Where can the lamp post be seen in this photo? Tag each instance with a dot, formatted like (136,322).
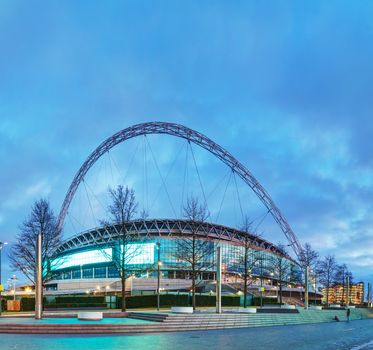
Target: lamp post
(39,279)
(158,273)
(306,288)
(12,285)
(1,286)
(218,279)
(261,283)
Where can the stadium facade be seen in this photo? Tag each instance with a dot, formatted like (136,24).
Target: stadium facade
(86,262)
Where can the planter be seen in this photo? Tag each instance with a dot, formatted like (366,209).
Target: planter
(315,307)
(182,309)
(249,310)
(90,316)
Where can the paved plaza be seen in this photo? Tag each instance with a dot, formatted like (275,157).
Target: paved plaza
(354,335)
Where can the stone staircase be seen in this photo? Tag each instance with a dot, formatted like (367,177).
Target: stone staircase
(167,322)
(148,316)
(235,320)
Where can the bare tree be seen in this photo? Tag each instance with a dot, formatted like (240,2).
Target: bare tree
(23,253)
(248,258)
(280,267)
(340,278)
(309,258)
(196,253)
(326,271)
(122,209)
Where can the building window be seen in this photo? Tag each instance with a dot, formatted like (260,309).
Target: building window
(112,272)
(100,272)
(76,274)
(88,273)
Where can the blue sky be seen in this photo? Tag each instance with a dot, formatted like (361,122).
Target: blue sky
(285,86)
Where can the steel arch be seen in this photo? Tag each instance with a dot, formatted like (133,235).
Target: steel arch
(198,139)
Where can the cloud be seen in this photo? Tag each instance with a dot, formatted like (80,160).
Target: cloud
(286,88)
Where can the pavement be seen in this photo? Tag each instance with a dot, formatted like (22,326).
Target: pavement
(354,335)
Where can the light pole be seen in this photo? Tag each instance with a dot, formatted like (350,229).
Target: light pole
(1,286)
(12,285)
(306,287)
(158,273)
(218,279)
(39,279)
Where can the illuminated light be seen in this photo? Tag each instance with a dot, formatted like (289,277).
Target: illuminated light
(82,258)
(87,291)
(28,290)
(107,287)
(160,263)
(142,253)
(98,287)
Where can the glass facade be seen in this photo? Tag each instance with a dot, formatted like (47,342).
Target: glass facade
(83,258)
(142,261)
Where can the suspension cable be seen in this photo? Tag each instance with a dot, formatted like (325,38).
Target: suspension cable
(111,168)
(222,200)
(185,179)
(199,177)
(261,221)
(238,195)
(89,202)
(167,175)
(162,179)
(219,182)
(124,176)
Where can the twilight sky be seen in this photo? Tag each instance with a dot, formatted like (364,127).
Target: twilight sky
(285,86)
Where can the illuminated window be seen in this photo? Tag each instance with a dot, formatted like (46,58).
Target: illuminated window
(82,258)
(139,253)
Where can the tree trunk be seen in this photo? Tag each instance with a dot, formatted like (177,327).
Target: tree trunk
(123,280)
(245,280)
(194,258)
(194,291)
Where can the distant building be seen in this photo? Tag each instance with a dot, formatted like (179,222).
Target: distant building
(338,294)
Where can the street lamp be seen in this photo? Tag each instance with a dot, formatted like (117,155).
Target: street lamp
(13,281)
(158,273)
(1,286)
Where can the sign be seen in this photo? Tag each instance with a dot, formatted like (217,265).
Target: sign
(262,289)
(1,288)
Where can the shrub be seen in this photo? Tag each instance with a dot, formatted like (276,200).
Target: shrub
(256,301)
(80,299)
(75,305)
(27,304)
(166,300)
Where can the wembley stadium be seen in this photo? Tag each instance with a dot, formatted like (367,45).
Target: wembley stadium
(84,263)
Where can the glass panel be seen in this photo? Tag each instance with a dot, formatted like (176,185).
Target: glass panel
(100,272)
(88,273)
(82,258)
